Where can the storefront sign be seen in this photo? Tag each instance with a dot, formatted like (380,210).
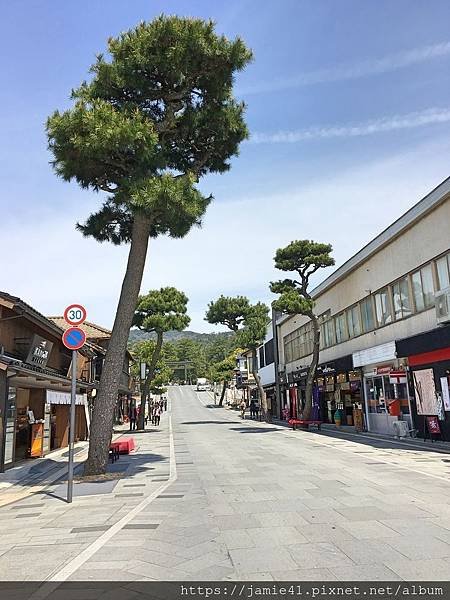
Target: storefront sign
(39,352)
(374,355)
(433,425)
(425,392)
(64,398)
(397,377)
(384,370)
(445,393)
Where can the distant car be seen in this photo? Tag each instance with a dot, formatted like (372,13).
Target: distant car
(202,384)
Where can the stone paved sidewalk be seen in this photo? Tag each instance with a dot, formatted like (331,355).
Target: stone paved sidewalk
(41,534)
(232,499)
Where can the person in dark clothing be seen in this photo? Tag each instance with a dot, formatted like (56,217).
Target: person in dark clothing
(252,409)
(133,417)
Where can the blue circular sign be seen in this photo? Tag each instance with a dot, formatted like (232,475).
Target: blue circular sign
(74,338)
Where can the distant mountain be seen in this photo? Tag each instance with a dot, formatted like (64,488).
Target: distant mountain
(172,336)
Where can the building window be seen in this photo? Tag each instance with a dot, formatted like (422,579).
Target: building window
(401,299)
(354,321)
(329,333)
(423,289)
(341,329)
(443,272)
(367,317)
(261,357)
(382,308)
(269,352)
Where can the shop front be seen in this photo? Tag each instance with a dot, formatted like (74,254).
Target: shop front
(428,356)
(337,393)
(36,419)
(387,396)
(271,399)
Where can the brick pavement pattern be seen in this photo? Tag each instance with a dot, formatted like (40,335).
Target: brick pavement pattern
(245,501)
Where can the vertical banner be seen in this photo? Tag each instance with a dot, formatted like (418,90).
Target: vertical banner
(425,392)
(445,393)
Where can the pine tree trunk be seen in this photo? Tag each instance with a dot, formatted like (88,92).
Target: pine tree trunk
(312,367)
(262,393)
(102,417)
(222,395)
(151,373)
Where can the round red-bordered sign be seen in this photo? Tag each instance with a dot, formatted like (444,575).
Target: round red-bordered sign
(74,338)
(75,314)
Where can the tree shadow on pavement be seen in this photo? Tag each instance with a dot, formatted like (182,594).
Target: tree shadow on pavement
(209,422)
(125,467)
(255,429)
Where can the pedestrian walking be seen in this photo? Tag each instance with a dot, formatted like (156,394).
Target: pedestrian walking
(132,416)
(243,406)
(165,403)
(157,415)
(256,409)
(252,409)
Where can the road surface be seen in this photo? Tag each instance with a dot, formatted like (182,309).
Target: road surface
(209,496)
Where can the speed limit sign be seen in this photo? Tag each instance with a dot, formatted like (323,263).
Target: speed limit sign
(75,314)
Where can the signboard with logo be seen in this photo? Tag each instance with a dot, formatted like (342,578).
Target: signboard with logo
(433,426)
(374,355)
(397,377)
(39,352)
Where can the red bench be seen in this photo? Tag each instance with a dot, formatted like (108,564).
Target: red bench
(123,445)
(304,423)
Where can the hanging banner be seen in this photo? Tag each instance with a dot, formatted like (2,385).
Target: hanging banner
(64,398)
(425,392)
(445,393)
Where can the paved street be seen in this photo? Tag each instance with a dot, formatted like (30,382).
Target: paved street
(209,496)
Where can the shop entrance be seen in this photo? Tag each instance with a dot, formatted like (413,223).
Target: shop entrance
(386,401)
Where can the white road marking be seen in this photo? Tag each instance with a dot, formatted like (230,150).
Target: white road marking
(73,565)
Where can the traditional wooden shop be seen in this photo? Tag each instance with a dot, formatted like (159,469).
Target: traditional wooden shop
(34,384)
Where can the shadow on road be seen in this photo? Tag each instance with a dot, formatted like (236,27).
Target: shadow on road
(209,422)
(39,474)
(255,429)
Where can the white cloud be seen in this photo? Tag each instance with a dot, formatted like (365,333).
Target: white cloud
(429,116)
(345,72)
(51,265)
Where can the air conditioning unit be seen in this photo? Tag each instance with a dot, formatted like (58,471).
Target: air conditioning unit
(400,429)
(442,304)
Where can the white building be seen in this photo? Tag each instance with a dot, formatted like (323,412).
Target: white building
(379,327)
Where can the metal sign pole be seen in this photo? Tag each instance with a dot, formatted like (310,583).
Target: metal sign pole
(72,426)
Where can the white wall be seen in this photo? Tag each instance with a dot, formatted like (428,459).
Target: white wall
(419,244)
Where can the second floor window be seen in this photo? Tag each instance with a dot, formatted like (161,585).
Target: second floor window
(367,316)
(329,333)
(423,289)
(341,328)
(383,308)
(443,272)
(401,299)
(354,321)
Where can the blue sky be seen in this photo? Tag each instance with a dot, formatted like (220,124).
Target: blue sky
(348,106)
